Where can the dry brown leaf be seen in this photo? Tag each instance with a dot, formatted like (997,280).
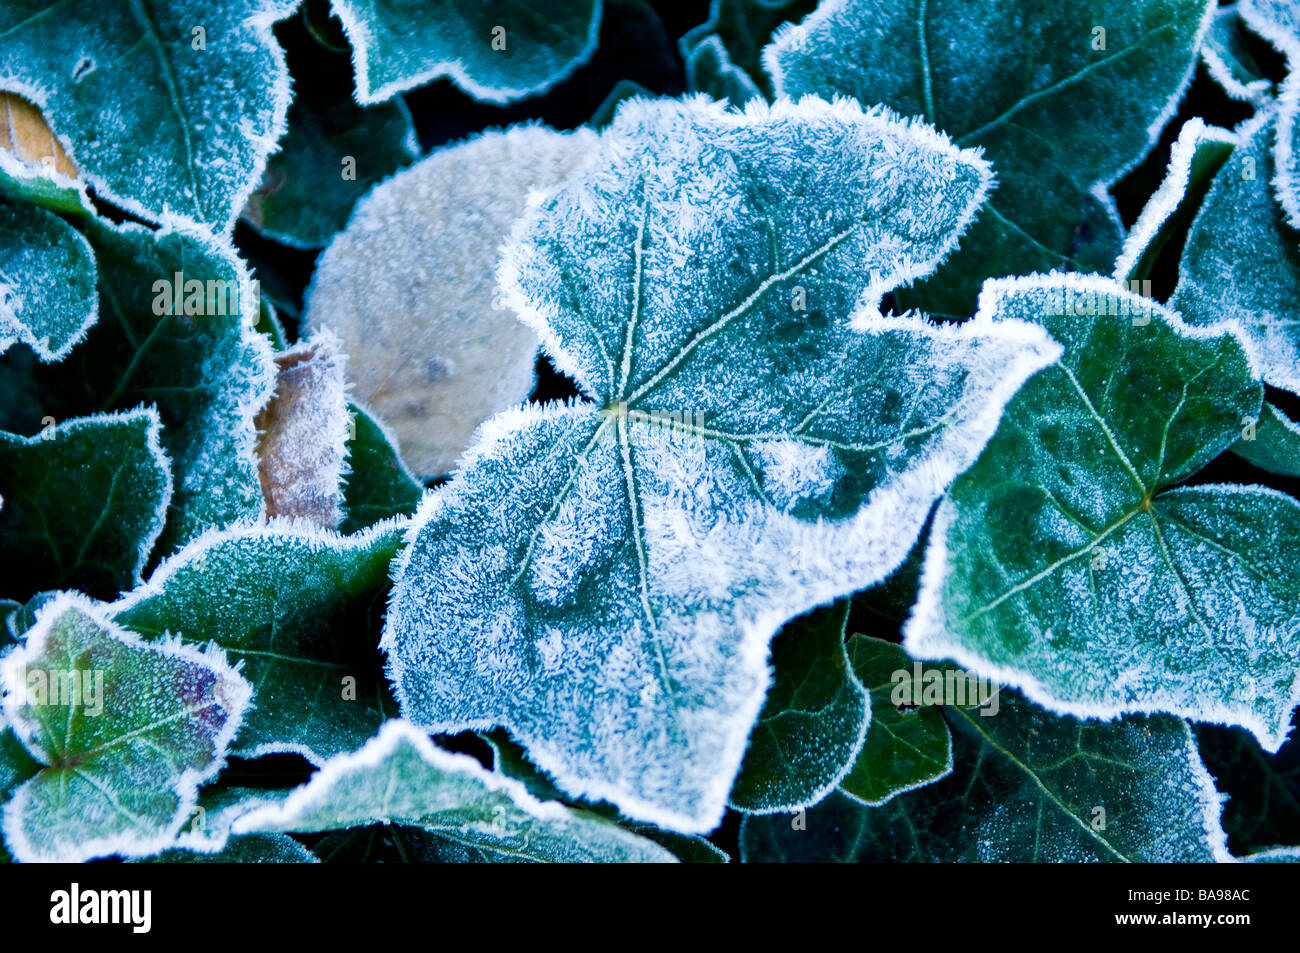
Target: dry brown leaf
(302,434)
(24,132)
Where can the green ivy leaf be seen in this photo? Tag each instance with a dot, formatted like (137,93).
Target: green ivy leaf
(178,312)
(42,185)
(333,153)
(1273,445)
(495,52)
(125,732)
(603,579)
(814,720)
(1025,787)
(290,602)
(47,283)
(709,70)
(734,36)
(906,747)
(377,486)
(1195,158)
(1067,561)
(1027,81)
(400,777)
(1229,61)
(169,109)
(1241,262)
(84,503)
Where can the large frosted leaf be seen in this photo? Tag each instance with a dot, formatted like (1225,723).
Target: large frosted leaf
(125,732)
(410,289)
(495,50)
(813,723)
(400,777)
(603,579)
(84,503)
(176,330)
(1273,444)
(1068,563)
(47,282)
(293,604)
(169,109)
(906,747)
(1025,80)
(1025,787)
(1241,262)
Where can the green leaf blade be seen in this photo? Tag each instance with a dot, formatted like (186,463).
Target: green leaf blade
(125,732)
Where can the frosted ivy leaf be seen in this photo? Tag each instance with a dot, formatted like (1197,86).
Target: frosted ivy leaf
(1272,444)
(1262,790)
(125,732)
(410,289)
(908,744)
(1195,158)
(47,282)
(1069,563)
(603,578)
(378,485)
(400,777)
(735,34)
(1229,61)
(333,153)
(1030,81)
(84,503)
(1025,787)
(178,311)
(293,604)
(494,50)
(169,111)
(1241,262)
(302,434)
(813,723)
(709,70)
